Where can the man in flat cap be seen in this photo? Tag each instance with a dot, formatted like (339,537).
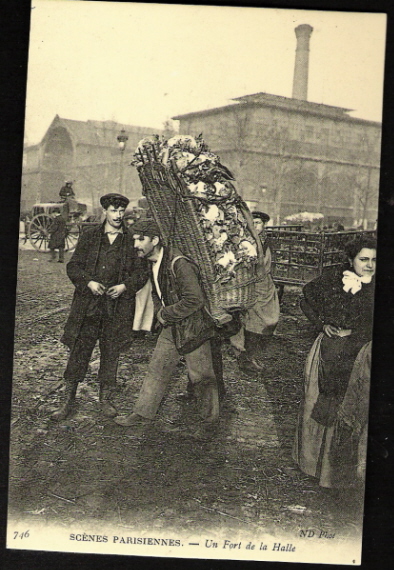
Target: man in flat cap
(261,319)
(186,330)
(106,274)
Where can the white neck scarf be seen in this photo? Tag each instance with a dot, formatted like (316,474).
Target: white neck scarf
(353,282)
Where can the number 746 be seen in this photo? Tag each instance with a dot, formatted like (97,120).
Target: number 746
(18,534)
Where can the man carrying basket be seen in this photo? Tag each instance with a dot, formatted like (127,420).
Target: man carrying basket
(187,330)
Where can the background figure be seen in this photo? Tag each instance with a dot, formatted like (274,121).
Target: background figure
(67,191)
(57,240)
(26,227)
(260,321)
(340,304)
(106,274)
(129,218)
(70,204)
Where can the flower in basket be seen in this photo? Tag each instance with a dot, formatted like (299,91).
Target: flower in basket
(217,230)
(202,190)
(149,148)
(224,189)
(218,242)
(214,172)
(235,232)
(181,159)
(147,142)
(183,142)
(208,158)
(197,169)
(231,213)
(225,265)
(212,213)
(247,251)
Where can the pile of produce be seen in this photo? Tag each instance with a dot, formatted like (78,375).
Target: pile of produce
(209,183)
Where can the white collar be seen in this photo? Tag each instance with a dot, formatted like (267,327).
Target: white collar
(155,272)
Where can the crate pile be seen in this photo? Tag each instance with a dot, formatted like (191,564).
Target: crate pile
(299,256)
(193,199)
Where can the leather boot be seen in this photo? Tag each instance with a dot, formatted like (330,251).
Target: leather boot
(53,256)
(132,419)
(107,406)
(248,360)
(249,365)
(61,255)
(187,396)
(69,397)
(208,401)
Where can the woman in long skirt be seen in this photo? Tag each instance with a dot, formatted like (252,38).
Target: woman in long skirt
(340,304)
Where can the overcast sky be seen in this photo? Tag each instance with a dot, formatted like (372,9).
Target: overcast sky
(141,64)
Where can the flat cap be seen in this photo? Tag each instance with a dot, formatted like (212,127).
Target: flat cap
(261,215)
(129,214)
(114,199)
(146,228)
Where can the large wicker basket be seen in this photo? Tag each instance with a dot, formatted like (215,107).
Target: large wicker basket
(174,209)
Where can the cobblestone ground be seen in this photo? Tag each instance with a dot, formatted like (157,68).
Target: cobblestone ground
(88,468)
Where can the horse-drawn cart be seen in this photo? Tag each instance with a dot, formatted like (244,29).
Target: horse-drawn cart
(43,214)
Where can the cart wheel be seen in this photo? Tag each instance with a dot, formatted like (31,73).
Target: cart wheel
(72,237)
(39,232)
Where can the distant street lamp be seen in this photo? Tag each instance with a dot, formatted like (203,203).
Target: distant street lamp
(122,139)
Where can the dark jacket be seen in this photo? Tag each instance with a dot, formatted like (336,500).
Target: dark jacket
(326,303)
(81,269)
(58,232)
(184,302)
(66,191)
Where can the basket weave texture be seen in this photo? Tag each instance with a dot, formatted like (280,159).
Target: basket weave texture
(174,210)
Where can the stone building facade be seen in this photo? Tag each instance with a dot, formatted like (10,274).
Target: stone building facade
(86,152)
(290,155)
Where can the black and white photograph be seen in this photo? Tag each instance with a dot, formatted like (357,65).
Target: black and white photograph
(196,281)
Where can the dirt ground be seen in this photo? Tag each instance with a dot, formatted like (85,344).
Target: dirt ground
(87,467)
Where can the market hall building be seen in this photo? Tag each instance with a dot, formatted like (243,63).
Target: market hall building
(87,153)
(290,155)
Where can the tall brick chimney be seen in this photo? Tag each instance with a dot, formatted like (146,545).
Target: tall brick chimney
(300,80)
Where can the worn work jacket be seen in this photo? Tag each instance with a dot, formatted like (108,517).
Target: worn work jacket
(184,301)
(58,232)
(82,268)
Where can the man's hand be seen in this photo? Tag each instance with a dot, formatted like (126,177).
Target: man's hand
(160,319)
(116,291)
(330,330)
(96,288)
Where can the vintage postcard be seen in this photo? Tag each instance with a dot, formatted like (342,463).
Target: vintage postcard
(197,255)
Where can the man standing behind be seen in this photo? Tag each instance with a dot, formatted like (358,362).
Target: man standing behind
(107,274)
(260,321)
(187,329)
(57,237)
